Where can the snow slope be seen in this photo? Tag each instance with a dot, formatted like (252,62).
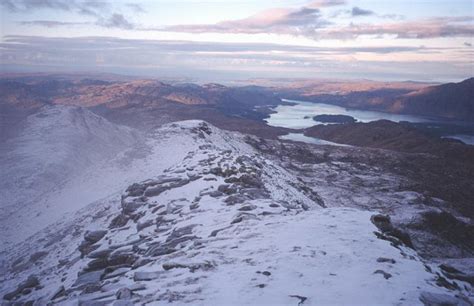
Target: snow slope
(65,158)
(221,226)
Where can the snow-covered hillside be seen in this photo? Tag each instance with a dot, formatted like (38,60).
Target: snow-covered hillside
(65,158)
(206,219)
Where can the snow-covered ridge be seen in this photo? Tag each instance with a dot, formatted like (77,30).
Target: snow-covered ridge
(221,225)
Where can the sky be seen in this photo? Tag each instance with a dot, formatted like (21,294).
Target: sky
(420,40)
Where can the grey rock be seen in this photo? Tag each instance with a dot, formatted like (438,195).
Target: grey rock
(235,199)
(122,259)
(86,247)
(61,291)
(383,223)
(123,294)
(91,288)
(439,299)
(155,190)
(94,236)
(31,282)
(227,189)
(248,207)
(147,276)
(97,264)
(88,278)
(136,190)
(37,256)
(385,274)
(389,260)
(129,207)
(216,231)
(100,253)
(141,262)
(301,299)
(207,265)
(117,272)
(145,224)
(119,221)
(179,232)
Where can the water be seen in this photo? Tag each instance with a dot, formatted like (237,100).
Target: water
(303,138)
(467,139)
(293,116)
(300,116)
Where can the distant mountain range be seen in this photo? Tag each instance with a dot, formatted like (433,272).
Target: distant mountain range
(451,101)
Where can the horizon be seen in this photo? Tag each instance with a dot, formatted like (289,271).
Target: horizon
(422,41)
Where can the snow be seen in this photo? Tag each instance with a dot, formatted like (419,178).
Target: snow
(275,247)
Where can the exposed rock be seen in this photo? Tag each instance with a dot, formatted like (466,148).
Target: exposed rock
(384,224)
(88,278)
(216,231)
(129,207)
(438,299)
(136,190)
(248,207)
(91,288)
(299,297)
(383,259)
(143,225)
(86,247)
(119,221)
(94,236)
(141,262)
(235,199)
(443,282)
(100,253)
(155,190)
(31,282)
(122,260)
(179,232)
(37,256)
(61,291)
(385,274)
(123,294)
(147,276)
(227,189)
(243,216)
(97,264)
(207,265)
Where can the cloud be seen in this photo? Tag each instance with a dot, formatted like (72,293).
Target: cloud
(308,21)
(51,23)
(116,21)
(282,21)
(357,11)
(419,29)
(101,9)
(325,3)
(137,8)
(83,7)
(211,60)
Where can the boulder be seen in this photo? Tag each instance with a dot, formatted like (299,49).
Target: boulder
(94,236)
(119,221)
(23,288)
(124,294)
